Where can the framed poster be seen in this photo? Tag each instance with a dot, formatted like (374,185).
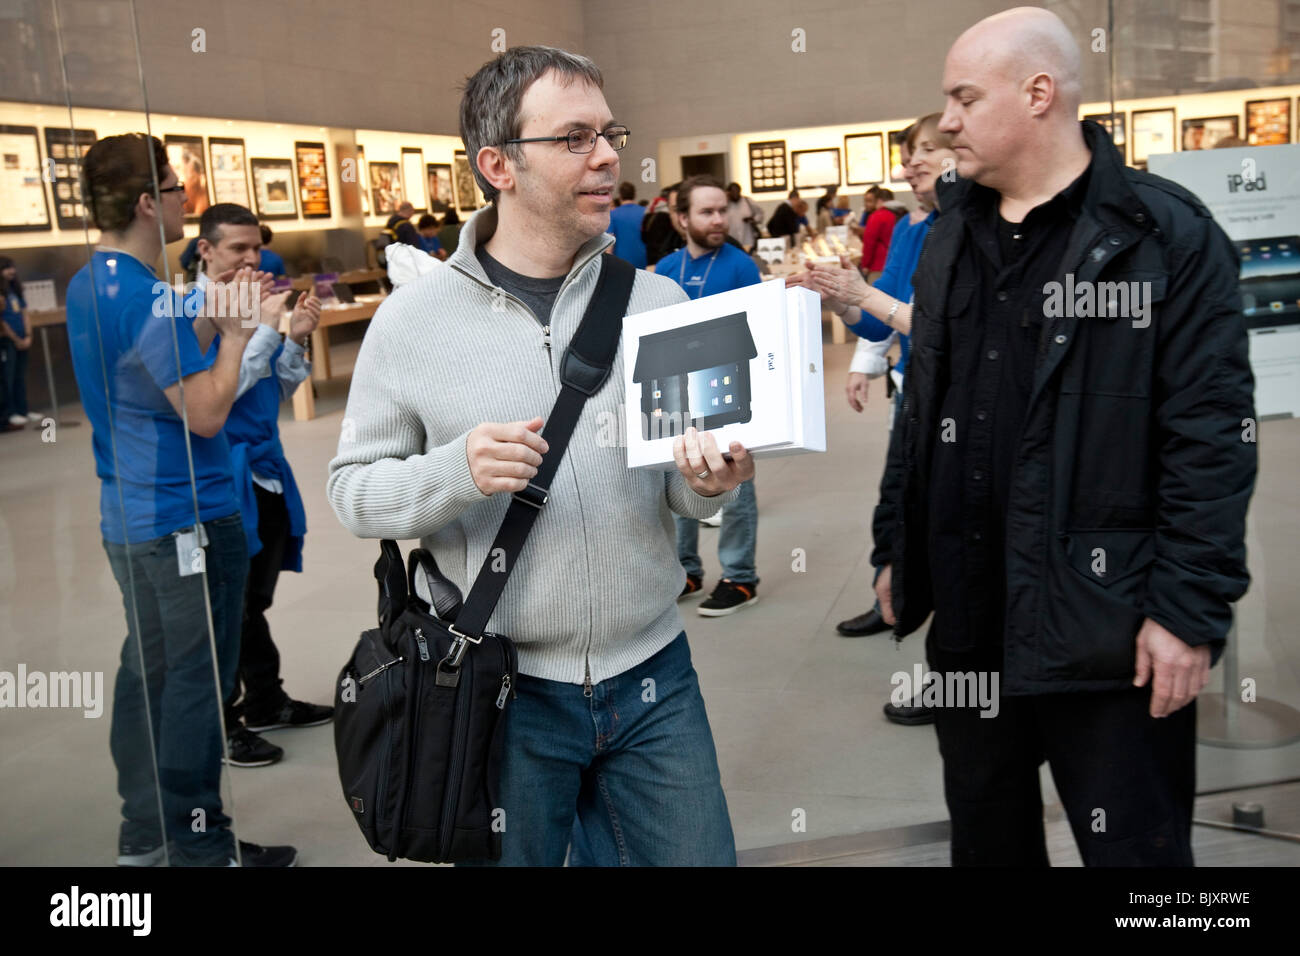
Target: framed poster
(386,187)
(815,167)
(363,180)
(467,191)
(439,187)
(229,170)
(1153,132)
(1117,129)
(413,180)
(767,172)
(273,188)
(896,139)
(864,159)
(1268,122)
(185,156)
(23,205)
(313,180)
(66,147)
(1205,133)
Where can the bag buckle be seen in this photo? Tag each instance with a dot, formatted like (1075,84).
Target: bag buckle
(448,667)
(534,495)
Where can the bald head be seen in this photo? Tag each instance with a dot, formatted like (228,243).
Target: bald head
(1017,44)
(1013,87)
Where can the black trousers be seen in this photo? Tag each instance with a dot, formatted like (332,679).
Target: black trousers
(259,660)
(1127,780)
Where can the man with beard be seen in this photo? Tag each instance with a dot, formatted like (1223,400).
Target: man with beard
(709,264)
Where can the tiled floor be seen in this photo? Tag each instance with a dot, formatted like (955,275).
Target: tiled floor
(795,708)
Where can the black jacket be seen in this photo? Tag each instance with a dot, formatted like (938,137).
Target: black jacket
(1136,441)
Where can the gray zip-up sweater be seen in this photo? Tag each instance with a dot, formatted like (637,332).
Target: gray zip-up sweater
(595,589)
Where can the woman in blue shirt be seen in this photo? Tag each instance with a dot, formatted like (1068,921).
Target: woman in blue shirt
(15,341)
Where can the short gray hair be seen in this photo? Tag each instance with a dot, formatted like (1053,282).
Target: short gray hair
(489,107)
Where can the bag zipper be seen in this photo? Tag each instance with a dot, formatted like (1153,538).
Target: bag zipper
(451,787)
(413,749)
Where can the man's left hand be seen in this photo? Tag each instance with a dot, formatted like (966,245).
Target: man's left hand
(1177,671)
(305,318)
(703,466)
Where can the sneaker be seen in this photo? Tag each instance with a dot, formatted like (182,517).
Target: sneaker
(19,420)
(131,854)
(728,598)
(245,749)
(250,854)
(714,520)
(33,417)
(294,713)
(694,585)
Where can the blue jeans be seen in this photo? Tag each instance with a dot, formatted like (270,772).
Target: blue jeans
(166,731)
(737,539)
(14,377)
(627,777)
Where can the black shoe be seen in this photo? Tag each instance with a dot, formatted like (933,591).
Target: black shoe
(250,854)
(694,585)
(728,598)
(863,625)
(140,854)
(909,714)
(245,749)
(294,713)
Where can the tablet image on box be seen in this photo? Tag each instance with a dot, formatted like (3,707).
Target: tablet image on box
(696,375)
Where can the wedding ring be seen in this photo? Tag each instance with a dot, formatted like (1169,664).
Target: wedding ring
(703,474)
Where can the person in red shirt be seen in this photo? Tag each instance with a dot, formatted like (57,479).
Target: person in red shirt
(877,232)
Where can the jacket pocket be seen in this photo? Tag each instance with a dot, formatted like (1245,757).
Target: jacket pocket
(1107,556)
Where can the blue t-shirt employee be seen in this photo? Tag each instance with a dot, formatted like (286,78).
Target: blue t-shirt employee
(705,266)
(172,530)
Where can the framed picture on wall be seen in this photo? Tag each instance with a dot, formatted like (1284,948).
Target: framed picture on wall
(185,156)
(467,191)
(767,170)
(66,147)
(815,167)
(313,180)
(385,188)
(1117,126)
(1205,133)
(413,178)
(23,205)
(864,159)
(1153,132)
(896,139)
(1268,122)
(273,188)
(439,186)
(228,170)
(363,180)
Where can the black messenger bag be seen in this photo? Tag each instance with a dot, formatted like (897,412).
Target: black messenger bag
(420,707)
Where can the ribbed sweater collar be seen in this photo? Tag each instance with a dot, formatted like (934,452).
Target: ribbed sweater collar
(479,228)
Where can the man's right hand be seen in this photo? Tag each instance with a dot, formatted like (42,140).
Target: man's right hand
(855,389)
(237,325)
(505,457)
(884,595)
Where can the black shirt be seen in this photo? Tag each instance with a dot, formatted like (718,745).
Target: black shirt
(538,294)
(403,231)
(995,326)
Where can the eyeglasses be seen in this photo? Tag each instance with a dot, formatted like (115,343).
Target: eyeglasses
(178,188)
(581,140)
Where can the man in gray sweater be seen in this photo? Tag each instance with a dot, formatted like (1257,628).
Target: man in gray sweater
(608,751)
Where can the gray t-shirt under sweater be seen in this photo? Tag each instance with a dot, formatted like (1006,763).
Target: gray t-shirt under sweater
(538,294)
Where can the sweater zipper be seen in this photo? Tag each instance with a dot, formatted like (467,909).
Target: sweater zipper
(586,679)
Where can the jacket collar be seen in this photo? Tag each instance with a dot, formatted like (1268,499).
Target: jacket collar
(1109,198)
(479,228)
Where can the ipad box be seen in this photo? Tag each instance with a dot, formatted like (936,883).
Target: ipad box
(744,365)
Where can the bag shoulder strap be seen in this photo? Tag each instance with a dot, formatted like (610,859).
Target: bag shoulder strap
(583,371)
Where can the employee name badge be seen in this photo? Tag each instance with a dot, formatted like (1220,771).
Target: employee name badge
(190,557)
